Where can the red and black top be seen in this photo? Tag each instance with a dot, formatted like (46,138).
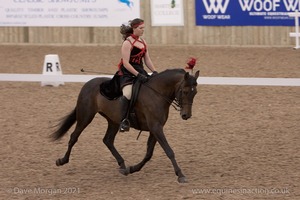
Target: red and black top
(137,54)
(136,60)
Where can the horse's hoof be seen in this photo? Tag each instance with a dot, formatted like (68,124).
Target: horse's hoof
(182,180)
(59,162)
(125,171)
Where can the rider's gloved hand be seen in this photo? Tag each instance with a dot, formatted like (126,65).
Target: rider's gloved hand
(142,78)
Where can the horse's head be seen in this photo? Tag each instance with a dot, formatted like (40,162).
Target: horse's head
(186,93)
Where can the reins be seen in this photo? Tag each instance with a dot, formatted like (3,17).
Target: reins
(176,104)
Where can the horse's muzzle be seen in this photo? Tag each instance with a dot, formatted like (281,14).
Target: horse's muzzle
(185,116)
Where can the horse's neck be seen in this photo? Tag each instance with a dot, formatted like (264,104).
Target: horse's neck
(167,85)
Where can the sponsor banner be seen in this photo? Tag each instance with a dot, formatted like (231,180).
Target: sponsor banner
(245,12)
(75,13)
(167,13)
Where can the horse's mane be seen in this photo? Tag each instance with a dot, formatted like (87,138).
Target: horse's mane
(179,70)
(168,71)
(176,72)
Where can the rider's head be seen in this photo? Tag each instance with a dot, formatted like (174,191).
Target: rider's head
(135,26)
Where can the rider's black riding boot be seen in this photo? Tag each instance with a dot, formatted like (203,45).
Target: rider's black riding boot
(125,124)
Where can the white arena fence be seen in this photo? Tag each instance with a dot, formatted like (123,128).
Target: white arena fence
(296,34)
(201,80)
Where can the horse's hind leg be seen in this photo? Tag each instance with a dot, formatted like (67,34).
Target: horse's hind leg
(150,148)
(109,139)
(83,120)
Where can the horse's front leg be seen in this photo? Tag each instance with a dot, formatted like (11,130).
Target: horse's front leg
(150,148)
(109,139)
(160,137)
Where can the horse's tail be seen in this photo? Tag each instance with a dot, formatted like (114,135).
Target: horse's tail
(64,125)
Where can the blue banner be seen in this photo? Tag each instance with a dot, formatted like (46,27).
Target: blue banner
(245,12)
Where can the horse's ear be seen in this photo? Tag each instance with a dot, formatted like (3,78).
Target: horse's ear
(197,74)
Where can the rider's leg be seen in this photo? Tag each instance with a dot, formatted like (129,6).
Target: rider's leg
(125,101)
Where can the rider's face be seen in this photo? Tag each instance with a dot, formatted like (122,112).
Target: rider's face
(139,31)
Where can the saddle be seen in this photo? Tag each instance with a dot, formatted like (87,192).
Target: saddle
(111,90)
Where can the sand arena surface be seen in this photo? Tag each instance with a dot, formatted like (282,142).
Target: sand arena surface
(242,142)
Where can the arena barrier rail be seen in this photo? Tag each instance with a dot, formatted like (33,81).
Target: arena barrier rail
(201,80)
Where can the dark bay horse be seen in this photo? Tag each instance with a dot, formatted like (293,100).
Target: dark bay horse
(151,108)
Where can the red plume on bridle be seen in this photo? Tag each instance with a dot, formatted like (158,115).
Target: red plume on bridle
(191,63)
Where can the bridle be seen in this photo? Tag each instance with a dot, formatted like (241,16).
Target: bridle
(178,97)
(179,94)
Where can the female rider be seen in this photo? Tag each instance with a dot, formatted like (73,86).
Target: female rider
(134,52)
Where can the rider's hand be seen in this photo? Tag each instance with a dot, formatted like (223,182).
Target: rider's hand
(142,78)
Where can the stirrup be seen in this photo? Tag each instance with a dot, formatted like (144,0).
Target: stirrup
(125,125)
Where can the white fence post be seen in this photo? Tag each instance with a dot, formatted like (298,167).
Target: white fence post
(296,34)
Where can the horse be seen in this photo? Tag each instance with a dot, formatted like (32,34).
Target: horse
(169,87)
